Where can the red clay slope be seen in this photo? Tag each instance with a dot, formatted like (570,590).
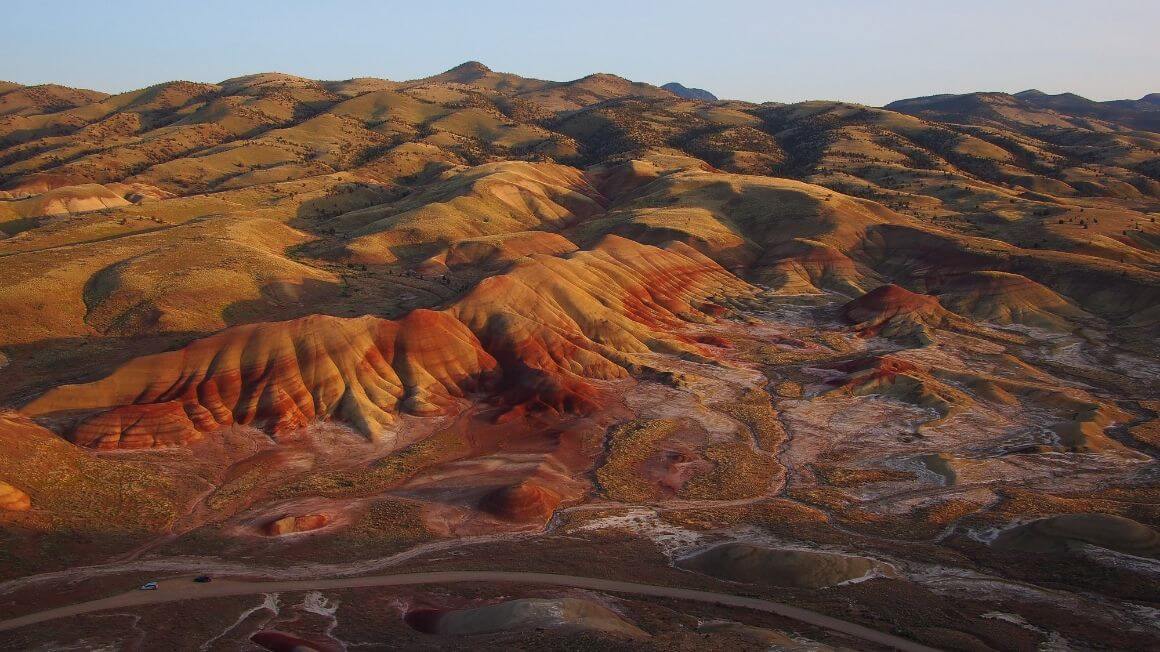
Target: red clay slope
(542,330)
(279,376)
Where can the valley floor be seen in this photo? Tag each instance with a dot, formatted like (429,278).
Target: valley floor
(882,504)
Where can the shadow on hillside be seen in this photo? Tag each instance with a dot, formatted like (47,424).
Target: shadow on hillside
(36,367)
(318,216)
(281,301)
(39,366)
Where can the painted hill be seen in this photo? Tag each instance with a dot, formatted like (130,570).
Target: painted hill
(550,323)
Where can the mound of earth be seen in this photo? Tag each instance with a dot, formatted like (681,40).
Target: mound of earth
(743,562)
(1063,533)
(807,266)
(1086,429)
(37,183)
(880,367)
(527,501)
(81,491)
(69,199)
(893,311)
(1006,298)
(294,524)
(139,192)
(569,614)
(901,379)
(221,269)
(13,499)
(758,223)
(279,376)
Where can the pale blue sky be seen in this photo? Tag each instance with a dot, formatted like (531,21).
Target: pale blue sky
(866,51)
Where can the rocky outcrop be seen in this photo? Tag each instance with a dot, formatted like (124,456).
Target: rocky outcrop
(1066,532)
(13,499)
(526,501)
(893,311)
(295,524)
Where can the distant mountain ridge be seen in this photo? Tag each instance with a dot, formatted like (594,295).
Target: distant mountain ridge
(184,137)
(1143,113)
(680,90)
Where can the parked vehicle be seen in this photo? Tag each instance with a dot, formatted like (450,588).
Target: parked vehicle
(203,579)
(149,586)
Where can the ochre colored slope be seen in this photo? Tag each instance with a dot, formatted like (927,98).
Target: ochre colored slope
(487,200)
(1006,298)
(189,277)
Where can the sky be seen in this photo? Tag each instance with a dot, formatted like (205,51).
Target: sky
(869,51)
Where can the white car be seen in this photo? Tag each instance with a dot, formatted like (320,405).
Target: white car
(149,586)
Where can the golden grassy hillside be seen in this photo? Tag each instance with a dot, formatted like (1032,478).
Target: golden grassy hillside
(364,196)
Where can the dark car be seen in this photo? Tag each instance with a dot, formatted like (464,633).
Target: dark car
(202,579)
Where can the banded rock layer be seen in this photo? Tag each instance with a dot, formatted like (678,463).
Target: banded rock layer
(278,376)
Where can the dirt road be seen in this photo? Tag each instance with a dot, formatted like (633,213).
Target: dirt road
(174,590)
